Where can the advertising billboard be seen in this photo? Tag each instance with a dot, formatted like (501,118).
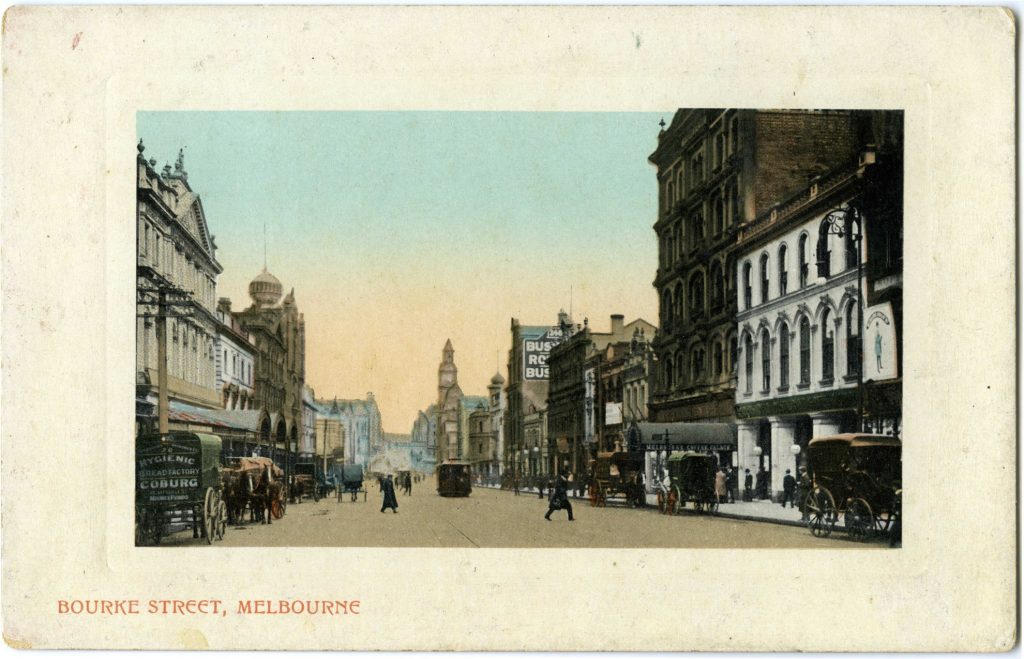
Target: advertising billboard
(537,343)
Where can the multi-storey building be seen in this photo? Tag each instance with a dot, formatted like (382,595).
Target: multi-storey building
(235,357)
(449,399)
(424,440)
(812,304)
(496,408)
(177,255)
(307,444)
(361,424)
(575,413)
(278,331)
(716,169)
(527,391)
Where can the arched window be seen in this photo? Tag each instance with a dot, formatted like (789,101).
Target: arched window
(680,369)
(748,358)
(805,351)
(783,356)
(719,217)
(697,295)
(732,354)
(666,309)
(783,275)
(764,278)
(824,253)
(803,261)
(669,373)
(827,347)
(679,304)
(717,357)
(671,245)
(746,286)
(853,342)
(717,287)
(766,361)
(697,363)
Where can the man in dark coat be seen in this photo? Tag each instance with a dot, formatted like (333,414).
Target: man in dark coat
(748,486)
(759,483)
(390,501)
(803,488)
(788,490)
(559,497)
(730,485)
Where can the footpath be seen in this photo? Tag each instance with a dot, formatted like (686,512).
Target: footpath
(754,511)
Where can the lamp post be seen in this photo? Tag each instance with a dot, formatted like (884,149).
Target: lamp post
(841,222)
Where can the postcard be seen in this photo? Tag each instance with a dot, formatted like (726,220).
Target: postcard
(425,328)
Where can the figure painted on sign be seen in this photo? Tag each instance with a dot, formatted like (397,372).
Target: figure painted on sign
(878,349)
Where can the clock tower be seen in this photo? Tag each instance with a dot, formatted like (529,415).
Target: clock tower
(449,395)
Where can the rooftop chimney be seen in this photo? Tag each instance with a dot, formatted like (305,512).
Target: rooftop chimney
(617,323)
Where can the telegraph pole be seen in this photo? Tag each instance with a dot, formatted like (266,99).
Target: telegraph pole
(161,360)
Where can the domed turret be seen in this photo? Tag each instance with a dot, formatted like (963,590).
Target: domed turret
(497,379)
(265,290)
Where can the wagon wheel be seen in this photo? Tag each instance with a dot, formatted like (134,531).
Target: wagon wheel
(222,520)
(277,508)
(859,519)
(209,514)
(821,512)
(673,501)
(662,501)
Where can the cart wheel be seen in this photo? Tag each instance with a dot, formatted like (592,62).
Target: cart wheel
(859,519)
(673,501)
(209,514)
(821,512)
(662,502)
(222,520)
(277,508)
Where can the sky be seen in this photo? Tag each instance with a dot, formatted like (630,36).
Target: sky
(401,230)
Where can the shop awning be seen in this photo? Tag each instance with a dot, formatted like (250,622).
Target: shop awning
(683,436)
(244,420)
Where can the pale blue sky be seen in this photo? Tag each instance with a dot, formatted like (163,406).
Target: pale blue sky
(421,226)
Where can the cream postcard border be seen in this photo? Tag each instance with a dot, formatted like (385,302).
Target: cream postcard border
(74,79)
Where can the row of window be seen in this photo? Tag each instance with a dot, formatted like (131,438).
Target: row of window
(182,270)
(826,352)
(691,171)
(239,367)
(679,304)
(690,233)
(687,368)
(823,262)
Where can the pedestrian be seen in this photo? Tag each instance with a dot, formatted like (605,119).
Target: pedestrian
(515,485)
(759,483)
(540,487)
(748,485)
(803,489)
(788,490)
(720,490)
(388,487)
(408,484)
(730,484)
(560,497)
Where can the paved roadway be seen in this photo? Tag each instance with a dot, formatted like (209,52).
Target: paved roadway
(496,518)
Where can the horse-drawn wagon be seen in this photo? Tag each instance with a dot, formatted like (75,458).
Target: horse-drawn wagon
(309,480)
(857,476)
(691,478)
(178,479)
(254,483)
(618,473)
(349,478)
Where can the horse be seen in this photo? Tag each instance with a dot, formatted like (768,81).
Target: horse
(266,493)
(238,487)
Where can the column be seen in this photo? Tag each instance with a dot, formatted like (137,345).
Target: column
(745,456)
(783,437)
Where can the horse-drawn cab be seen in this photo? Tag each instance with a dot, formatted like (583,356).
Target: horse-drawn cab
(617,473)
(857,476)
(178,480)
(349,478)
(692,478)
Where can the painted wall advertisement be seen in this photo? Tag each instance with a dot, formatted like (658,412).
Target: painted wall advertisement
(537,343)
(880,343)
(612,414)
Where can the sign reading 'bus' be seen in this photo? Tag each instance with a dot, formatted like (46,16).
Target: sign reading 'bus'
(537,343)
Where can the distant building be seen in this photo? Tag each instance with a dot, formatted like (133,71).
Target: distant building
(496,408)
(526,394)
(449,398)
(307,445)
(423,439)
(361,423)
(575,412)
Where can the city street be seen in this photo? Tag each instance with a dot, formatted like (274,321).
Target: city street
(496,518)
